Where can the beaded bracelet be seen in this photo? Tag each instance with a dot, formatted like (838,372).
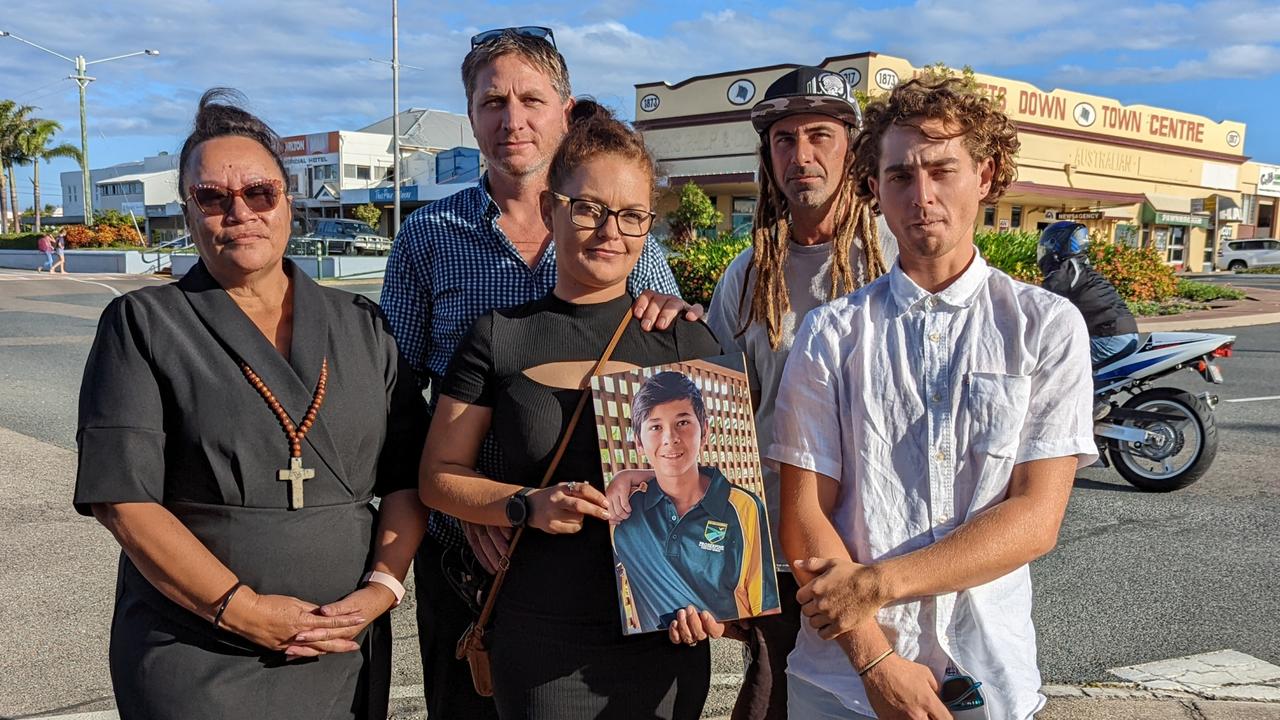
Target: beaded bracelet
(875,662)
(217,617)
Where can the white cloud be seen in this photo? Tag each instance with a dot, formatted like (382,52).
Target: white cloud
(304,65)
(1229,62)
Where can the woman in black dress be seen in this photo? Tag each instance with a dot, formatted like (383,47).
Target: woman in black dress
(234,427)
(557,646)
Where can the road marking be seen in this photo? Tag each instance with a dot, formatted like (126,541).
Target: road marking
(114,291)
(1255,399)
(45,340)
(99,715)
(1221,675)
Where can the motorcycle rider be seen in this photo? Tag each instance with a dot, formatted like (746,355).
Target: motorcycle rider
(1113,332)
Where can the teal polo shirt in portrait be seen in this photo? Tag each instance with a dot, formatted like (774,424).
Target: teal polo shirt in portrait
(717,557)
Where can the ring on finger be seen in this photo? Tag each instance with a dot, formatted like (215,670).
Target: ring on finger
(572,487)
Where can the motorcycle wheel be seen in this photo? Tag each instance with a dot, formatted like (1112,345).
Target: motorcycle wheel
(1184,451)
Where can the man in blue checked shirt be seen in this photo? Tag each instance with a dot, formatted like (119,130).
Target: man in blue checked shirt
(483,248)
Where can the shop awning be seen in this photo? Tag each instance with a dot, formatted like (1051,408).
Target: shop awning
(1126,212)
(734,166)
(1160,209)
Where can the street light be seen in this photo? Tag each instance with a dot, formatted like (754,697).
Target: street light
(83,81)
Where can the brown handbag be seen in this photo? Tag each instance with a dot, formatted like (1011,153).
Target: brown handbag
(472,645)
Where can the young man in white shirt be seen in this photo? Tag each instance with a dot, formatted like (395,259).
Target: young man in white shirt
(928,428)
(813,240)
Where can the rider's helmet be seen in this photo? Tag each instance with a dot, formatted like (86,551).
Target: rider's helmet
(1060,241)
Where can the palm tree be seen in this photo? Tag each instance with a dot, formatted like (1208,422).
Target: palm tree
(33,147)
(12,117)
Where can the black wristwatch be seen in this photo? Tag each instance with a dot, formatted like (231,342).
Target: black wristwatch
(518,507)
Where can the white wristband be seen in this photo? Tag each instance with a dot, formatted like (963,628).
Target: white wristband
(387,581)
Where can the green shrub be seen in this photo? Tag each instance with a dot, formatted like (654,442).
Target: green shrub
(1137,273)
(1268,270)
(1149,308)
(19,241)
(1013,252)
(1207,292)
(695,215)
(698,265)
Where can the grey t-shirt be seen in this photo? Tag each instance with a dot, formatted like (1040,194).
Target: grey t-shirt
(808,279)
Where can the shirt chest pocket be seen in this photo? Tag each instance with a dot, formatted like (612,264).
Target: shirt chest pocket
(997,405)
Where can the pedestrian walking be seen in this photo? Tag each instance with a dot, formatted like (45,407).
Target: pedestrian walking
(60,247)
(46,245)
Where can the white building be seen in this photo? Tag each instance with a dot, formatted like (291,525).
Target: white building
(147,189)
(328,174)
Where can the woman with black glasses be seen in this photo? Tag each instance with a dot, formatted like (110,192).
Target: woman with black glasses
(234,428)
(556,642)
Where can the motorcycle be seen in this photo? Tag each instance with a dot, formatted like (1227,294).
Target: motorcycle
(1161,438)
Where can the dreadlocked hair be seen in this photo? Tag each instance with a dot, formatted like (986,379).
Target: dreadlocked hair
(771,242)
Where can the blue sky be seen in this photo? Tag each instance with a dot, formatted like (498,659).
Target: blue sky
(305,68)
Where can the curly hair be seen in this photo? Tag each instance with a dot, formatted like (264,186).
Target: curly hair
(770,242)
(987,131)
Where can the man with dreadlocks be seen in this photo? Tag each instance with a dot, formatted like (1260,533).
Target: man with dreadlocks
(813,240)
(928,427)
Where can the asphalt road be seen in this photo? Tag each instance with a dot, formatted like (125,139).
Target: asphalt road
(1267,282)
(1136,577)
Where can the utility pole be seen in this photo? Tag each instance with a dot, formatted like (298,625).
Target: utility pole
(395,116)
(82,80)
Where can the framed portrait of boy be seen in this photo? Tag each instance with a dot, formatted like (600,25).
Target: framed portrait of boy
(682,476)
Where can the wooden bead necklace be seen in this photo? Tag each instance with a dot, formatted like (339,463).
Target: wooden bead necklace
(295,474)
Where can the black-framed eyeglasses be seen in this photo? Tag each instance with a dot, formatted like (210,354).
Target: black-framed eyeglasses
(592,215)
(530,31)
(960,692)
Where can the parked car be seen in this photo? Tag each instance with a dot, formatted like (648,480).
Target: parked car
(349,237)
(1242,254)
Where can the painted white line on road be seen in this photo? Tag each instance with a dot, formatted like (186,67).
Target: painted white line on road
(1255,399)
(114,291)
(99,715)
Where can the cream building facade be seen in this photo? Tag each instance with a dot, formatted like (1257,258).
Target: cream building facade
(1134,173)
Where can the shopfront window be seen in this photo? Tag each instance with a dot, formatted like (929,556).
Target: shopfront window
(989,216)
(744,211)
(1177,243)
(1266,218)
(1015,216)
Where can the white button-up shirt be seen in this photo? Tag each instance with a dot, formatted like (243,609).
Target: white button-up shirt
(920,405)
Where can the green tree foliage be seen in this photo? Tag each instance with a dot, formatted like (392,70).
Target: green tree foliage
(367,213)
(1138,274)
(34,147)
(698,265)
(694,213)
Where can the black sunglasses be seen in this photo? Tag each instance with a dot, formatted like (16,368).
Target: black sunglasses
(960,692)
(530,31)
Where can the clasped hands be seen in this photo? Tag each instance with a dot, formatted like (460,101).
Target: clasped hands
(841,595)
(303,629)
(839,598)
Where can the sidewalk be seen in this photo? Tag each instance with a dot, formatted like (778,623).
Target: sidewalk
(1262,307)
(1124,708)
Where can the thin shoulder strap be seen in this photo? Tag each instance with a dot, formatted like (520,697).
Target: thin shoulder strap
(505,563)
